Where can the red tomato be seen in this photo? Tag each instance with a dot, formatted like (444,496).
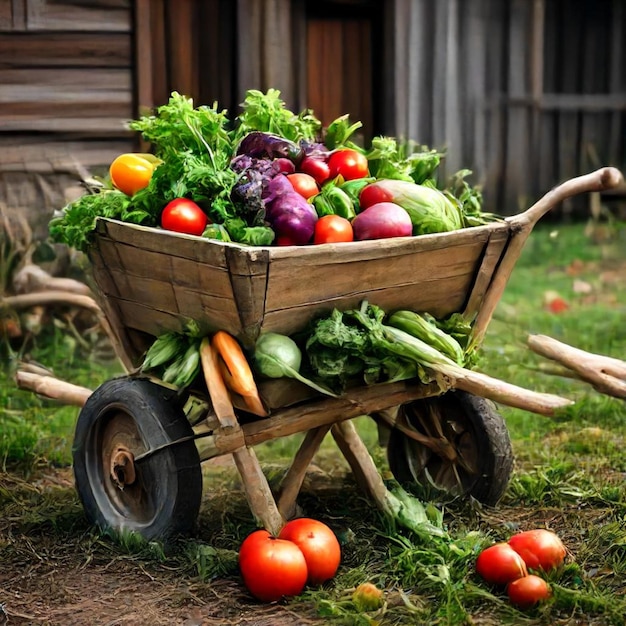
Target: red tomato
(348,163)
(541,549)
(332,229)
(271,568)
(500,564)
(527,591)
(303,184)
(283,240)
(184,216)
(316,167)
(373,194)
(131,172)
(319,545)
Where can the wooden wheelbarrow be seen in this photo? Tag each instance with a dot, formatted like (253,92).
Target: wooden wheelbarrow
(139,443)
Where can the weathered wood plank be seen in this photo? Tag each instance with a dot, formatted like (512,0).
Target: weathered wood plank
(617,130)
(518,161)
(183,52)
(161,279)
(99,126)
(24,153)
(20,84)
(143,54)
(361,277)
(96,15)
(62,49)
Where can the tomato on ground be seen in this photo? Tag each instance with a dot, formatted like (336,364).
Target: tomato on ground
(333,229)
(271,568)
(130,173)
(304,184)
(348,163)
(319,545)
(527,591)
(500,564)
(540,548)
(184,216)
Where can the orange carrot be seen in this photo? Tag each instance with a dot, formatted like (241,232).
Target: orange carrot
(236,371)
(253,402)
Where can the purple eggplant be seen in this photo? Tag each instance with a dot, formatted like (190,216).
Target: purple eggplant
(288,213)
(265,145)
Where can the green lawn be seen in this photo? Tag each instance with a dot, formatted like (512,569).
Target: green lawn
(569,472)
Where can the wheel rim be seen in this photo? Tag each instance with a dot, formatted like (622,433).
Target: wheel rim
(446,422)
(123,485)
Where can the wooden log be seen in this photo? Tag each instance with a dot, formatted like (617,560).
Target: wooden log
(52,298)
(605,374)
(25,300)
(53,388)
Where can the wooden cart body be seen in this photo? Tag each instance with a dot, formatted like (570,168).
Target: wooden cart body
(154,281)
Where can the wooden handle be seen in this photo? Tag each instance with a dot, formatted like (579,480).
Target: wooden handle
(600,180)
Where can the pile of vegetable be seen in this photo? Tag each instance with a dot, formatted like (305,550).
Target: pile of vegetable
(270,177)
(367,346)
(305,552)
(507,564)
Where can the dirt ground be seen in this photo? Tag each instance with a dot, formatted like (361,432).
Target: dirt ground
(55,572)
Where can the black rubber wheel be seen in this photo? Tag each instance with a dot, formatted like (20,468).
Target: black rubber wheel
(157,496)
(474,456)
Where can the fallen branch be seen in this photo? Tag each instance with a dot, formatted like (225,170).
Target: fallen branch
(605,374)
(26,300)
(31,278)
(52,388)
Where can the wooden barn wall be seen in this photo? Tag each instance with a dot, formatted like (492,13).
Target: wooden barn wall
(526,93)
(66,76)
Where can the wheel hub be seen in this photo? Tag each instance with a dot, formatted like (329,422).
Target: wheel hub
(122,468)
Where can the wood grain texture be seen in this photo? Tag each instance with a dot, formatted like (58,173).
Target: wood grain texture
(160,280)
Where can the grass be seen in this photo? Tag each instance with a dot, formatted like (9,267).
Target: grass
(569,472)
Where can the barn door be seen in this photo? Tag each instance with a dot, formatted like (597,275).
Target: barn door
(343,61)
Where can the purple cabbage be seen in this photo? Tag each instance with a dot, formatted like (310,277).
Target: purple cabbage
(254,175)
(287,212)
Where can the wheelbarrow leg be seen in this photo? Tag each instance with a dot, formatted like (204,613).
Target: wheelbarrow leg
(257,489)
(292,481)
(363,467)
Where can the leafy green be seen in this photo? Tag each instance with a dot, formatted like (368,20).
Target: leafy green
(267,112)
(76,222)
(358,343)
(424,326)
(339,131)
(346,345)
(389,158)
(178,127)
(251,235)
